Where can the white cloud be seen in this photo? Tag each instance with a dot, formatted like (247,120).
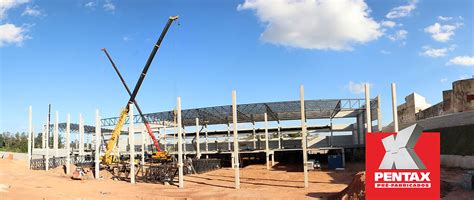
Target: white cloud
(431,52)
(443,80)
(399,35)
(125,38)
(462,60)
(436,52)
(385,52)
(357,88)
(389,24)
(442,33)
(443,18)
(109,6)
(5,5)
(11,34)
(31,11)
(315,24)
(402,11)
(90,4)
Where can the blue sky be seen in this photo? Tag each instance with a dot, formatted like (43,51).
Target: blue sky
(50,53)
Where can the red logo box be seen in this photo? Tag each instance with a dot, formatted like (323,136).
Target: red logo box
(421,183)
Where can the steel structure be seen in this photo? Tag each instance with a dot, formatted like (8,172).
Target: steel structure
(247,113)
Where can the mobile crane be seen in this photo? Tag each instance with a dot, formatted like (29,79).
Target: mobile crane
(108,158)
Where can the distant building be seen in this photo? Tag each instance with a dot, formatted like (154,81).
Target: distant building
(415,108)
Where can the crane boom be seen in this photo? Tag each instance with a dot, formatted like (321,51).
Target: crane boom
(145,121)
(107,159)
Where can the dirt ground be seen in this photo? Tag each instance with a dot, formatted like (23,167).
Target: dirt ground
(256,183)
(450,184)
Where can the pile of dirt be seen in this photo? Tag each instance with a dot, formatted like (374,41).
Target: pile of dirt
(355,190)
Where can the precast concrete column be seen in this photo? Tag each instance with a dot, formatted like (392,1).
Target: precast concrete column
(98,132)
(47,143)
(207,141)
(180,146)
(267,151)
(368,114)
(56,135)
(273,158)
(394,107)
(236,140)
(81,135)
(303,137)
(131,143)
(68,144)
(198,145)
(30,133)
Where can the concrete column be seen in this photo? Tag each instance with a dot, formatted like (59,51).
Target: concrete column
(56,135)
(254,137)
(279,135)
(30,133)
(379,114)
(303,138)
(228,137)
(180,146)
(267,151)
(394,107)
(131,143)
(98,132)
(236,140)
(273,158)
(81,135)
(47,143)
(207,141)
(368,114)
(68,144)
(198,145)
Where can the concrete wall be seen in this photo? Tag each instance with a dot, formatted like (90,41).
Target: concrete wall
(465,162)
(448,101)
(433,111)
(463,95)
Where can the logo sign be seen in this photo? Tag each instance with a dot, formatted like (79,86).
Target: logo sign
(403,165)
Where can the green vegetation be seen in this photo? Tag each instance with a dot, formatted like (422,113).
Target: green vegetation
(17,142)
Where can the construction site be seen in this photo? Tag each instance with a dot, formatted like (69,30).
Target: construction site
(289,149)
